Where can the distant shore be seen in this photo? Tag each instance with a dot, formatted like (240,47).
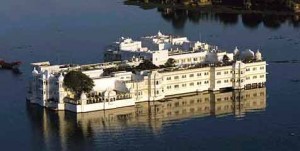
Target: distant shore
(210,8)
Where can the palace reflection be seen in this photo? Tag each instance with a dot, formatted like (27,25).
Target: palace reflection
(149,116)
(179,17)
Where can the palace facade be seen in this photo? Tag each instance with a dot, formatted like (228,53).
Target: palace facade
(213,70)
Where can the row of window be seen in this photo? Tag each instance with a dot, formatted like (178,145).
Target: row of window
(255,68)
(255,77)
(190,60)
(225,72)
(189,84)
(189,75)
(247,69)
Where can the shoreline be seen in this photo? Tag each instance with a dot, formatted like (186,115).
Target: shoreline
(211,8)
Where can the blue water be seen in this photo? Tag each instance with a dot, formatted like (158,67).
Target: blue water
(64,31)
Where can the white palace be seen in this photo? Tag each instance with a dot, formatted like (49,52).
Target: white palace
(197,67)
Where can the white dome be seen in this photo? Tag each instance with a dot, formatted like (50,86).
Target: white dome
(61,77)
(247,54)
(236,51)
(83,96)
(110,93)
(159,33)
(258,55)
(34,72)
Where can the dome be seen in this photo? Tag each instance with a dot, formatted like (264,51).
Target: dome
(110,93)
(61,77)
(236,51)
(83,96)
(159,33)
(258,55)
(247,54)
(211,57)
(34,72)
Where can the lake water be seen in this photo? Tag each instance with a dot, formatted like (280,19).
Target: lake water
(75,31)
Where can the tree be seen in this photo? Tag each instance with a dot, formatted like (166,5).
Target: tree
(78,82)
(170,62)
(146,65)
(225,59)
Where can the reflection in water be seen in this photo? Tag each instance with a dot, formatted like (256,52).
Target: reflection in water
(178,18)
(146,116)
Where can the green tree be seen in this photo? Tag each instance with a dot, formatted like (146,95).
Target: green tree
(146,65)
(170,62)
(78,82)
(225,59)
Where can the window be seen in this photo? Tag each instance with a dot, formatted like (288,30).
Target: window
(254,69)
(226,72)
(191,84)
(191,75)
(198,74)
(184,85)
(168,78)
(225,81)
(262,76)
(195,59)
(198,83)
(206,82)
(219,82)
(248,69)
(189,59)
(169,87)
(261,68)
(218,73)
(176,86)
(156,82)
(192,102)
(176,77)
(183,76)
(254,77)
(205,73)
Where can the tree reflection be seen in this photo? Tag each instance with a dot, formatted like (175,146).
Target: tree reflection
(179,16)
(228,18)
(273,21)
(252,20)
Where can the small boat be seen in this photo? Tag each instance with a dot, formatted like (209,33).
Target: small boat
(14,66)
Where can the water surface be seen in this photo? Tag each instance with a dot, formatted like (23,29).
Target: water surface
(64,31)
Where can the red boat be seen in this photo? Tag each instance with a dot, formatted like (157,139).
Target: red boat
(9,65)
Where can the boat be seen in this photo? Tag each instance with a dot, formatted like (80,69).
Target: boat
(14,66)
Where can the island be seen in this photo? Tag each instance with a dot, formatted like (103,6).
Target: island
(150,69)
(234,6)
